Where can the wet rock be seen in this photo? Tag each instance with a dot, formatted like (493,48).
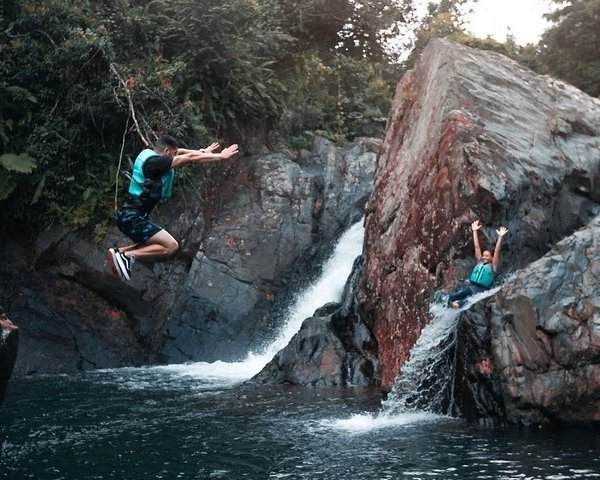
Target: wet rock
(9,342)
(545,335)
(67,328)
(471,135)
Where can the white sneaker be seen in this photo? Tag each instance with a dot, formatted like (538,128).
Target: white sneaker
(124,263)
(113,264)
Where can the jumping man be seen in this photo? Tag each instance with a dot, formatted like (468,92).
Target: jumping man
(152,180)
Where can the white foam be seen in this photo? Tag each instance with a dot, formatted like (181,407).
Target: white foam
(362,423)
(231,372)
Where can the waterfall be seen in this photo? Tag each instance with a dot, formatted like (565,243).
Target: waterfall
(426,379)
(424,390)
(328,287)
(426,382)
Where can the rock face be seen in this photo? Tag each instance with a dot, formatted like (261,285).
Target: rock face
(471,135)
(9,341)
(530,354)
(272,218)
(333,348)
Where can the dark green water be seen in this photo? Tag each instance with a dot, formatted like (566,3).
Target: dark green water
(170,424)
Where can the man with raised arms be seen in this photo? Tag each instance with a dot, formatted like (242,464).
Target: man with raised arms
(151,181)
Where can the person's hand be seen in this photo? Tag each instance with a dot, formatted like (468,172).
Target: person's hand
(502,231)
(475,225)
(229,151)
(211,148)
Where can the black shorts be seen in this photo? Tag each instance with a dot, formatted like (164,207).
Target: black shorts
(136,225)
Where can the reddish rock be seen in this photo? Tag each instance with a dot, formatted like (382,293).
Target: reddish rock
(471,135)
(545,334)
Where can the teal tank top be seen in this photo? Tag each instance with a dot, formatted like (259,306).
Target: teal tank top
(482,274)
(138,183)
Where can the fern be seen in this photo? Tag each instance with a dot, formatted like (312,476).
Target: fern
(20,163)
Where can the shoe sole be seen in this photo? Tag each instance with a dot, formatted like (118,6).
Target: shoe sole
(111,259)
(122,267)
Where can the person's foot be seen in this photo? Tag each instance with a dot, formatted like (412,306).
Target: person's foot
(119,263)
(125,263)
(438,297)
(111,260)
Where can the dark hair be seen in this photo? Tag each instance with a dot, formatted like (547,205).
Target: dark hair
(165,141)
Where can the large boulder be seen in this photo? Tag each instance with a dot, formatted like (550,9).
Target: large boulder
(471,135)
(269,219)
(545,335)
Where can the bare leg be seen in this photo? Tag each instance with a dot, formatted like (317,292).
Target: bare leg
(161,244)
(128,248)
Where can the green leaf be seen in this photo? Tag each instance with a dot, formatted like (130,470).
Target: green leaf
(20,163)
(39,190)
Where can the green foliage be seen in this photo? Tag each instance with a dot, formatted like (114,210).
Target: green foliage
(571,48)
(22,163)
(73,73)
(8,183)
(340,100)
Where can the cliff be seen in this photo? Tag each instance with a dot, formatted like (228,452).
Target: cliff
(471,135)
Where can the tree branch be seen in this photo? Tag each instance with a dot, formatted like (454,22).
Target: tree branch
(130,103)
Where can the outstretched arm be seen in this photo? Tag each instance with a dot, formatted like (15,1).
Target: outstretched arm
(211,148)
(496,260)
(476,226)
(202,156)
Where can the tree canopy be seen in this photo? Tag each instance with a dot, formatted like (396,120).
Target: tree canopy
(571,48)
(81,80)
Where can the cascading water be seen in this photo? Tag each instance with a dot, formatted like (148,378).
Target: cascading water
(424,391)
(426,382)
(426,379)
(328,288)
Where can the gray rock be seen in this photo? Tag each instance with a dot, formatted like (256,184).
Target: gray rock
(246,243)
(471,135)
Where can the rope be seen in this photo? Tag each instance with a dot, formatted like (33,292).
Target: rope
(119,167)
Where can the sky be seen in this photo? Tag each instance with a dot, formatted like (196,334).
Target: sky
(520,18)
